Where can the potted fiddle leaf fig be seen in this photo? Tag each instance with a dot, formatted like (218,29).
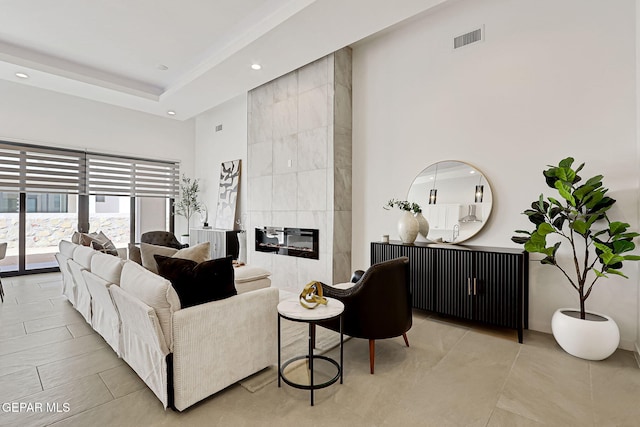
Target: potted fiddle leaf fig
(579,217)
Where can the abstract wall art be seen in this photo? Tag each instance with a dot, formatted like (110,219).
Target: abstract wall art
(228,194)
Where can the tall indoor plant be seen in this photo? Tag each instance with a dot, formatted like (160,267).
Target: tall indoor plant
(188,203)
(579,217)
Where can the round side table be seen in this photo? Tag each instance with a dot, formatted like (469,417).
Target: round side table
(291,309)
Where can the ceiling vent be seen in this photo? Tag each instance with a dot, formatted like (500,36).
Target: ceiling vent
(468,38)
(218,128)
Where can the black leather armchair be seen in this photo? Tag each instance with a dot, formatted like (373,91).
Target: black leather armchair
(377,306)
(162,238)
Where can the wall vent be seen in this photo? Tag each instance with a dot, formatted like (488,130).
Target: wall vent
(468,38)
(218,128)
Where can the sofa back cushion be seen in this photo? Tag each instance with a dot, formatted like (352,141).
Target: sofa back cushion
(107,267)
(198,283)
(154,291)
(66,248)
(82,255)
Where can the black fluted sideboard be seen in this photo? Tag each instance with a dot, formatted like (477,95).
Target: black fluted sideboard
(484,284)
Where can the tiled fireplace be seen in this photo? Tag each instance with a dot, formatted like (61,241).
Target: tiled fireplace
(291,241)
(299,169)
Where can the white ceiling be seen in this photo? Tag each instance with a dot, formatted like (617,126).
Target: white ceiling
(113,51)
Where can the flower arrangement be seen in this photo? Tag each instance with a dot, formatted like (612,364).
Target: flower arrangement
(403,205)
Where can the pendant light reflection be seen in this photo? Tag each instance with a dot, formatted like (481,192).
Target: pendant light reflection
(479,193)
(433,193)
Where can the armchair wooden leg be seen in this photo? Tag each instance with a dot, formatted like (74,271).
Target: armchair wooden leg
(406,340)
(372,354)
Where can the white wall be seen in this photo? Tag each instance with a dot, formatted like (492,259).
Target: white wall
(42,117)
(552,79)
(213,148)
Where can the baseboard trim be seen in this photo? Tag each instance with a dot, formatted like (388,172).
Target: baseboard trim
(636,353)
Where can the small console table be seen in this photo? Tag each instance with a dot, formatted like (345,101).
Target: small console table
(484,284)
(291,309)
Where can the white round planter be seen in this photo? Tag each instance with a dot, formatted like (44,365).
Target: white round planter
(408,227)
(423,225)
(587,339)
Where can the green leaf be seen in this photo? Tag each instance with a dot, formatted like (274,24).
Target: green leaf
(555,202)
(618,272)
(595,182)
(523,232)
(598,273)
(631,257)
(559,222)
(565,192)
(580,226)
(545,228)
(617,227)
(566,163)
(549,260)
(620,246)
(519,240)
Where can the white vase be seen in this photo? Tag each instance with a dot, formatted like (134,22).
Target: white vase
(423,225)
(587,339)
(242,247)
(408,227)
(184,239)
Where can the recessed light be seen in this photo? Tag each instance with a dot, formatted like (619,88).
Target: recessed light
(256,66)
(22,75)
(162,67)
(472,171)
(171,113)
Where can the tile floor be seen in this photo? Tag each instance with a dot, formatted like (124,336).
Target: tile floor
(452,375)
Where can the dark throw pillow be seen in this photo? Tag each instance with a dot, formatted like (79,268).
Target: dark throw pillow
(103,247)
(198,283)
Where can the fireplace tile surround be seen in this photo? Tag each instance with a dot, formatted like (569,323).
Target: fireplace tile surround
(299,167)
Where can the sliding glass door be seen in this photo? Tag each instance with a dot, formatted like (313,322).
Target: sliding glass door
(49,218)
(10,229)
(46,194)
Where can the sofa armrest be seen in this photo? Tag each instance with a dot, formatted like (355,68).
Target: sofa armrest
(220,342)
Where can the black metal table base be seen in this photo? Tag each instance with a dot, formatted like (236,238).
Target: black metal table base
(310,358)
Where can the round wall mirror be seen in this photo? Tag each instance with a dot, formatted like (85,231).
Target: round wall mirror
(455,198)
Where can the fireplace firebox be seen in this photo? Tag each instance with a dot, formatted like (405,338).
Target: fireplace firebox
(298,242)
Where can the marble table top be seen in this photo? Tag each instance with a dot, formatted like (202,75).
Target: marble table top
(292,309)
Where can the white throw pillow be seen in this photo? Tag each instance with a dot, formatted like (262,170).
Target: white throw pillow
(198,253)
(147,252)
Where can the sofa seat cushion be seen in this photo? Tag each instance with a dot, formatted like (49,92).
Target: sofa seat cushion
(248,273)
(197,253)
(198,283)
(154,291)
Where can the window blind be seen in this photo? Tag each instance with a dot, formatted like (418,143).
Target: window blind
(34,169)
(37,169)
(118,176)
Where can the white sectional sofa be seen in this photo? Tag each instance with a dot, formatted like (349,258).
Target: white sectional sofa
(183,355)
